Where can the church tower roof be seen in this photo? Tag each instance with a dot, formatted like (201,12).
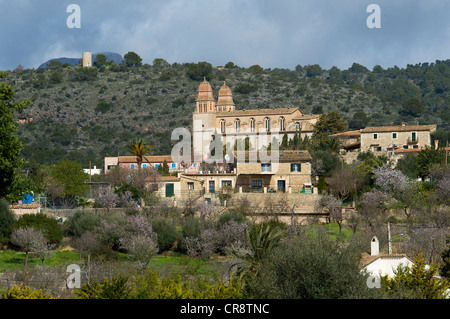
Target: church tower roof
(225,96)
(205,92)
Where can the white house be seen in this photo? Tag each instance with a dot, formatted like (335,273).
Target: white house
(93,171)
(383,264)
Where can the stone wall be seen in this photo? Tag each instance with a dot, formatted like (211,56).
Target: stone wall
(283,207)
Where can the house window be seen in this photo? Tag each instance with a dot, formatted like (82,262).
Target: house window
(237,124)
(222,126)
(174,165)
(226,183)
(156,165)
(282,128)
(405,147)
(296,167)
(394,135)
(375,136)
(266,167)
(252,125)
(132,166)
(211,186)
(144,165)
(256,184)
(298,127)
(190,185)
(416,146)
(413,136)
(267,124)
(379,149)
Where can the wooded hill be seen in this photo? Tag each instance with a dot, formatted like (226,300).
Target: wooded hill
(85,114)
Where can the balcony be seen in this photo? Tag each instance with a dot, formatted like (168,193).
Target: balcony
(413,140)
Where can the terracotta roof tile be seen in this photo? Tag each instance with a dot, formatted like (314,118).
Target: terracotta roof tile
(254,112)
(398,128)
(284,156)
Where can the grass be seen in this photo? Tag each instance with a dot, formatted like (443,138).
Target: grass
(14,260)
(332,230)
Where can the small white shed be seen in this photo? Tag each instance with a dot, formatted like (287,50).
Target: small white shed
(383,264)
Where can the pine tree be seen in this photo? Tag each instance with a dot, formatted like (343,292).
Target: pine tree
(10,145)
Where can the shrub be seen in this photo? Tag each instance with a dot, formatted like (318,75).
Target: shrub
(6,219)
(310,268)
(80,222)
(231,216)
(25,292)
(167,233)
(49,226)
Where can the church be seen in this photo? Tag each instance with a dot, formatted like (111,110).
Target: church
(261,126)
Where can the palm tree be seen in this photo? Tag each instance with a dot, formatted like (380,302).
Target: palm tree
(140,148)
(262,238)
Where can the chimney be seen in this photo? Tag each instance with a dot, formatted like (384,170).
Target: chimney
(374,246)
(436,144)
(403,123)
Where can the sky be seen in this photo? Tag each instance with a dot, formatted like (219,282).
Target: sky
(270,33)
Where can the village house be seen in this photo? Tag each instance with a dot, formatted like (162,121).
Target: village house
(148,161)
(382,139)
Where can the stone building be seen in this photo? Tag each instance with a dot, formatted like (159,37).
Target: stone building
(382,139)
(221,119)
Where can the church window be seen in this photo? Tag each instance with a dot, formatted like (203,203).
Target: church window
(222,126)
(237,123)
(282,128)
(267,124)
(252,125)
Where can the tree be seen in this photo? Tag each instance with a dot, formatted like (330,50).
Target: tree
(199,71)
(342,181)
(261,238)
(408,165)
(100,60)
(71,178)
(85,74)
(313,70)
(428,157)
(329,123)
(372,207)
(10,144)
(132,59)
(55,77)
(164,169)
(47,225)
(26,239)
(86,244)
(413,107)
(417,282)
(107,198)
(312,268)
(332,206)
(390,180)
(140,148)
(6,218)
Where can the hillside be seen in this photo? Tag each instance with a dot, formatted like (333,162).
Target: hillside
(86,114)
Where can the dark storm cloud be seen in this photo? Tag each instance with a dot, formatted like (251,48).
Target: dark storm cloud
(272,34)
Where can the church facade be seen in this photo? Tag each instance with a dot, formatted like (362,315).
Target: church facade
(220,118)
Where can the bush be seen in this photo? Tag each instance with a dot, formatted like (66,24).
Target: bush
(311,268)
(80,222)
(231,216)
(6,219)
(49,226)
(25,292)
(167,233)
